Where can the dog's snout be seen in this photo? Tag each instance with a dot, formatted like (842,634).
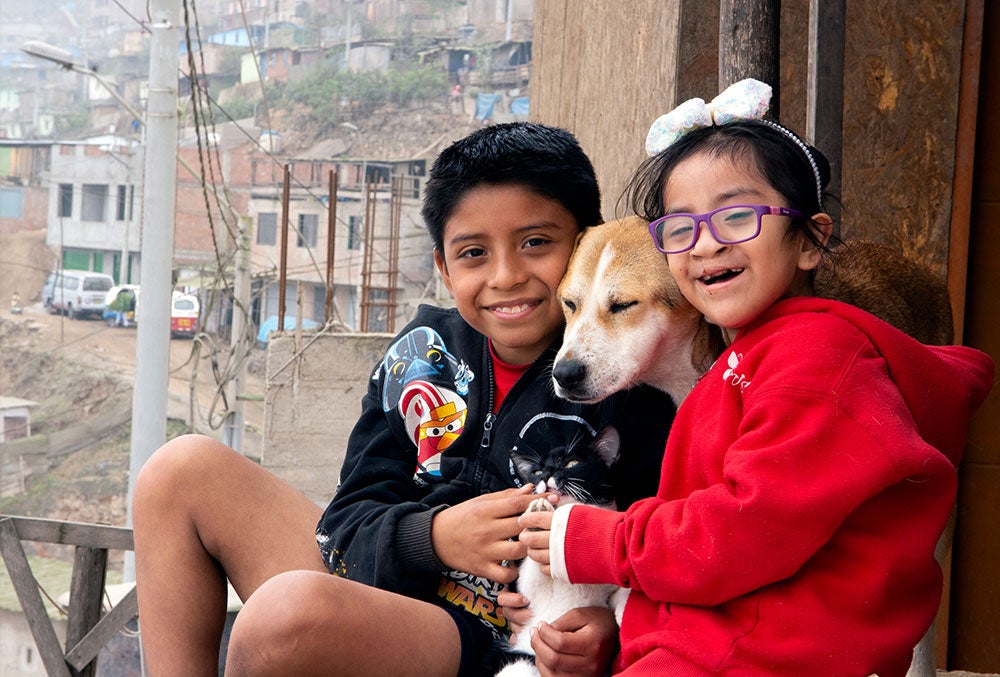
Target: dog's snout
(569,373)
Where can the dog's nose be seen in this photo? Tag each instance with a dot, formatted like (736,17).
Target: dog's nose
(569,373)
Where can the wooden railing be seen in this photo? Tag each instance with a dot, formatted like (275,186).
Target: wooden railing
(86,630)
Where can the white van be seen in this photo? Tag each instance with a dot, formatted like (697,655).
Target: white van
(76,292)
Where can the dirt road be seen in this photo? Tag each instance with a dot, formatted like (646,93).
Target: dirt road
(91,342)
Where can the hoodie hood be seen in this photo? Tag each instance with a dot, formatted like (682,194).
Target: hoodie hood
(942,385)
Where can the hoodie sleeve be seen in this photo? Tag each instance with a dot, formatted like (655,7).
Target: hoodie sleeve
(376,530)
(770,457)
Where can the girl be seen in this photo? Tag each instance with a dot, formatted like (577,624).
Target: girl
(808,475)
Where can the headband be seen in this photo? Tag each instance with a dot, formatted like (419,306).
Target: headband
(747,99)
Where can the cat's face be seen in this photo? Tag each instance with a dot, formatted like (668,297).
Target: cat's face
(569,461)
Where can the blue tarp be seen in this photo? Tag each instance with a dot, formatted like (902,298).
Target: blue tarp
(484,105)
(271,324)
(519,106)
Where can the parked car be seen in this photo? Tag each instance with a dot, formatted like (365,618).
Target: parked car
(76,292)
(184,309)
(111,316)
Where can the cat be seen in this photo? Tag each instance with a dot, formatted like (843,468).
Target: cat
(577,470)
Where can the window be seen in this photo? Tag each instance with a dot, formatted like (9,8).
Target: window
(308,224)
(354,232)
(121,210)
(95,201)
(11,203)
(267,228)
(66,199)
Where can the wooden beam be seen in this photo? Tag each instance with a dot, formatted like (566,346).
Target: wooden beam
(825,89)
(30,599)
(71,533)
(965,151)
(749,31)
(88,647)
(86,591)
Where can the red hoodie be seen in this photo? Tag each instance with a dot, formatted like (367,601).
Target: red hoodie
(804,485)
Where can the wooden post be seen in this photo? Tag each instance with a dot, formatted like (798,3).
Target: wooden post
(85,596)
(748,44)
(825,90)
(331,243)
(283,268)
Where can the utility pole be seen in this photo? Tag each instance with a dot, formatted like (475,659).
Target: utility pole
(239,341)
(152,354)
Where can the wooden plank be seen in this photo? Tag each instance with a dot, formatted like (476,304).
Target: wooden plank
(88,648)
(748,44)
(30,599)
(965,149)
(72,533)
(85,593)
(825,91)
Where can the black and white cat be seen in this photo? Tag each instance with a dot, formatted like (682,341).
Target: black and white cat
(575,466)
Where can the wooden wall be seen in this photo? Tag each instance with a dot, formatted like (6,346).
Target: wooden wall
(605,70)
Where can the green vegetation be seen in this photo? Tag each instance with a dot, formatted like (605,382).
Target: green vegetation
(331,94)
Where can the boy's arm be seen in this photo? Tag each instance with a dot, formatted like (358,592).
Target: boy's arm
(376,530)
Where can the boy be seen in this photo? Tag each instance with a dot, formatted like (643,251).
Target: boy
(422,526)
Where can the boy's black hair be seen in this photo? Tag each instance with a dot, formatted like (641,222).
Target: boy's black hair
(763,148)
(545,160)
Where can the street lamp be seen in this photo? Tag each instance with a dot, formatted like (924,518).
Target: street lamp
(152,352)
(64,60)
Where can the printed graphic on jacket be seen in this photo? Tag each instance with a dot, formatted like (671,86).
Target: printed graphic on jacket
(425,384)
(538,437)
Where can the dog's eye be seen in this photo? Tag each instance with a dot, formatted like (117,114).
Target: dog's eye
(623,306)
(570,306)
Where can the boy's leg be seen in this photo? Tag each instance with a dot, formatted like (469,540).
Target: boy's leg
(308,623)
(202,512)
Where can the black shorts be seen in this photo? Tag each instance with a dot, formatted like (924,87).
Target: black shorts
(482,652)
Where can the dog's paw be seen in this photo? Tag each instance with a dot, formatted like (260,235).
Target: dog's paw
(540,505)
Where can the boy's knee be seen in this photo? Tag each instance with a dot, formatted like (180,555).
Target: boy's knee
(269,631)
(174,467)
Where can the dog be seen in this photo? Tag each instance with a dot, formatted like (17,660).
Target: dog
(628,324)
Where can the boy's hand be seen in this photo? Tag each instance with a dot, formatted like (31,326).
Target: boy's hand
(580,642)
(535,536)
(515,610)
(477,535)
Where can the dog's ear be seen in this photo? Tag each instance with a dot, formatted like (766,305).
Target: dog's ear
(579,236)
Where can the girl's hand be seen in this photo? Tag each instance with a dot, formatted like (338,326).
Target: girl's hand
(580,642)
(535,537)
(515,610)
(477,536)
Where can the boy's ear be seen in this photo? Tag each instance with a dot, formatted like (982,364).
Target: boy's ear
(811,254)
(443,269)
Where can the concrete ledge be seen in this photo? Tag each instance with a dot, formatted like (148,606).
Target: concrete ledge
(312,400)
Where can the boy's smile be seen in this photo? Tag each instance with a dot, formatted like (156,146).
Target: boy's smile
(505,251)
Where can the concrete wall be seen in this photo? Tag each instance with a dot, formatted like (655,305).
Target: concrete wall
(312,400)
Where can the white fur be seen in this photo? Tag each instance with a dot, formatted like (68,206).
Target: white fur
(550,598)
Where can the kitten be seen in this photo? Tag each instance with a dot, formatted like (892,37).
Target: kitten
(578,472)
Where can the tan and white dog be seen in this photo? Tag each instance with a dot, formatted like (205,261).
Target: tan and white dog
(628,324)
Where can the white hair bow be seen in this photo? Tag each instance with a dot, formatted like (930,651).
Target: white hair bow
(745,100)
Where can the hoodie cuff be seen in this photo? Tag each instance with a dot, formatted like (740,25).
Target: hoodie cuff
(557,542)
(413,541)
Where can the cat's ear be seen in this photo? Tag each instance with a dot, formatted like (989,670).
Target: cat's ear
(608,444)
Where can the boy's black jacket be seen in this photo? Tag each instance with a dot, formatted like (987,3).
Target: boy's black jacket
(376,530)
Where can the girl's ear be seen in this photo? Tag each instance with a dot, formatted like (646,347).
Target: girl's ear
(443,269)
(811,254)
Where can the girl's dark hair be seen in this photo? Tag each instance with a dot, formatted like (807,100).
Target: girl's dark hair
(763,148)
(545,160)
